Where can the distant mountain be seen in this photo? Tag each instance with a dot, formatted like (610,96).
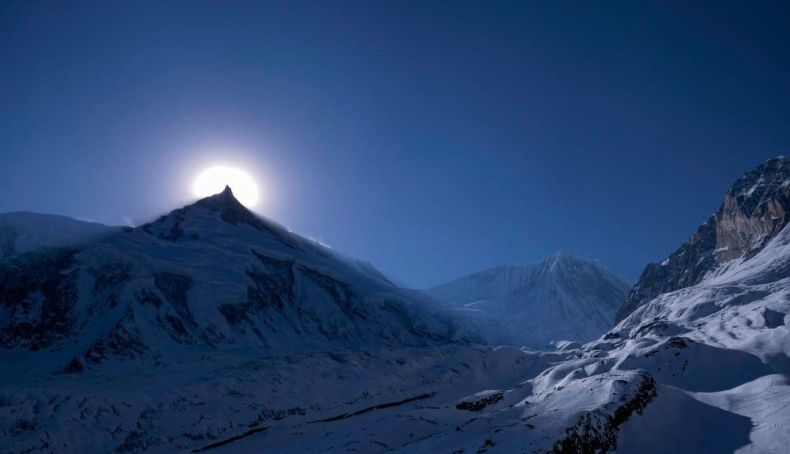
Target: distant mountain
(700,363)
(564,297)
(755,210)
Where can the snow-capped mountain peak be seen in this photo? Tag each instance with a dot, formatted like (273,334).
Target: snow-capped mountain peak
(212,274)
(564,297)
(202,213)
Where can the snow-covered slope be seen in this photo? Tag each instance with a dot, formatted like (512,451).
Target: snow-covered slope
(704,368)
(724,342)
(564,297)
(21,232)
(211,275)
(346,362)
(210,308)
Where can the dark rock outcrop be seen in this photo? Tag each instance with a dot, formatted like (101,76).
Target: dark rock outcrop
(37,291)
(272,286)
(123,341)
(8,237)
(477,403)
(597,431)
(73,367)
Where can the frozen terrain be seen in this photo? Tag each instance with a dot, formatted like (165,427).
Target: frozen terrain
(22,232)
(213,330)
(564,297)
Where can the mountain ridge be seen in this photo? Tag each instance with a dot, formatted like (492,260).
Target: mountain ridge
(564,297)
(211,273)
(755,209)
(208,328)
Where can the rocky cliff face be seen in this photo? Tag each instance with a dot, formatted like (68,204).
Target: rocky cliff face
(754,211)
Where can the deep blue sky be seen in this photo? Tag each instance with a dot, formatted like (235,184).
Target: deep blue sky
(431,139)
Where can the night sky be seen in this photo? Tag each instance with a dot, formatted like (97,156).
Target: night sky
(433,139)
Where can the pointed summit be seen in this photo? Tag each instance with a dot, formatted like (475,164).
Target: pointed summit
(223,205)
(226,196)
(210,213)
(226,203)
(562,297)
(564,256)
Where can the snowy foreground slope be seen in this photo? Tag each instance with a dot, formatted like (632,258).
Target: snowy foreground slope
(351,364)
(564,297)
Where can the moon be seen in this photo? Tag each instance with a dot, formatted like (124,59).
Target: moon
(214,179)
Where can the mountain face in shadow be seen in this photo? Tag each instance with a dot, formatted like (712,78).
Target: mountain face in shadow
(564,297)
(210,275)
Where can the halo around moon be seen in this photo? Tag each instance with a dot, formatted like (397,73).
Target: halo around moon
(214,179)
